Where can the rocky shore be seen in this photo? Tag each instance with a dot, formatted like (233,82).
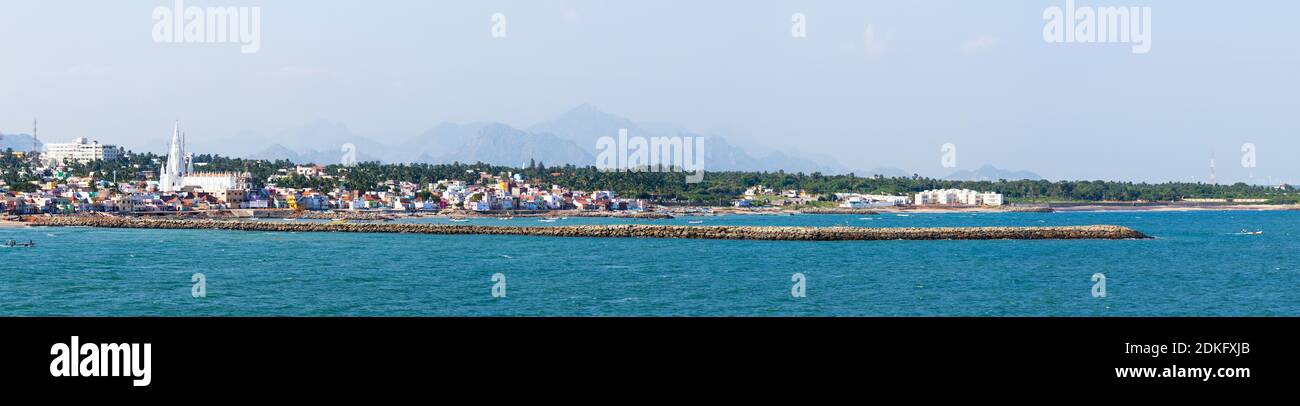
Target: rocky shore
(623,231)
(839,210)
(1014,209)
(344,215)
(556,213)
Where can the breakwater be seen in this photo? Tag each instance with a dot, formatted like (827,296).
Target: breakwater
(839,210)
(624,231)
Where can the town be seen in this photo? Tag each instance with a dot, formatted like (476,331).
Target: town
(87,176)
(44,182)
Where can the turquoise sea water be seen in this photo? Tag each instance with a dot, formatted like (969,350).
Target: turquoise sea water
(1198,265)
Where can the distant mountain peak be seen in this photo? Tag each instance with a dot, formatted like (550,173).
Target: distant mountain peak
(569,138)
(584,108)
(989,172)
(20,142)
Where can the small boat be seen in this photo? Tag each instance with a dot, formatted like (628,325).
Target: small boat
(547,220)
(339,221)
(459,220)
(554,218)
(1248,232)
(505,218)
(13,243)
(903,215)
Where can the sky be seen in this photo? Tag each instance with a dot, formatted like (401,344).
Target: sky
(872,84)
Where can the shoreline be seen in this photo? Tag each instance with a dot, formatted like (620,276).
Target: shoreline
(1093,232)
(1082,208)
(12,224)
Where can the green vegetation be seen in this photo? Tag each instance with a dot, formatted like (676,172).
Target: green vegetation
(16,172)
(716,188)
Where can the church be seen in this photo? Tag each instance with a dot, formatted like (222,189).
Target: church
(178,173)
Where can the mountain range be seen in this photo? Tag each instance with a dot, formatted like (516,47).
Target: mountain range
(989,173)
(569,138)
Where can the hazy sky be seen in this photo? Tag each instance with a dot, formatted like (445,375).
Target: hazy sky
(874,83)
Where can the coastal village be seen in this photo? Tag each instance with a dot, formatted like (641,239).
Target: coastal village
(176,186)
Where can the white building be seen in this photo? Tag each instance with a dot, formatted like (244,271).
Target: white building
(861,201)
(958,197)
(82,150)
(178,173)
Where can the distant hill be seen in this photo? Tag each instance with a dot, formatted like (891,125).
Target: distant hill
(585,124)
(989,172)
(278,152)
(19,142)
(320,142)
(493,143)
(569,138)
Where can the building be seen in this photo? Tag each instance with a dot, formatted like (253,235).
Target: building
(309,171)
(867,201)
(82,150)
(178,172)
(964,197)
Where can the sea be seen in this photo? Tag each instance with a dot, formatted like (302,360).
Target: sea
(1199,264)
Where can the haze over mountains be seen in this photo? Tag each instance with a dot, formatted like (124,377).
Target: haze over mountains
(569,138)
(18,142)
(988,172)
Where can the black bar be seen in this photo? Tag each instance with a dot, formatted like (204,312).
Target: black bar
(248,354)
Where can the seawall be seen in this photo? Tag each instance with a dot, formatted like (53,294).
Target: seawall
(625,231)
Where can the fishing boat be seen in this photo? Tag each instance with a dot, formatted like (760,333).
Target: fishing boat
(1248,232)
(13,243)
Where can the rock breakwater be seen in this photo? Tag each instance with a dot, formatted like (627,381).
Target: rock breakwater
(623,231)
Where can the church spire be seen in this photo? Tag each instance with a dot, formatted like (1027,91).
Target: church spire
(173,172)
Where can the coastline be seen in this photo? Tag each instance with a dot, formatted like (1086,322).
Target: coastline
(1092,232)
(1087,208)
(12,224)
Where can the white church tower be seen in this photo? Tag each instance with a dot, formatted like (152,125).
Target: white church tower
(172,176)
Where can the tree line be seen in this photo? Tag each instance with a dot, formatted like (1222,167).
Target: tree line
(669,186)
